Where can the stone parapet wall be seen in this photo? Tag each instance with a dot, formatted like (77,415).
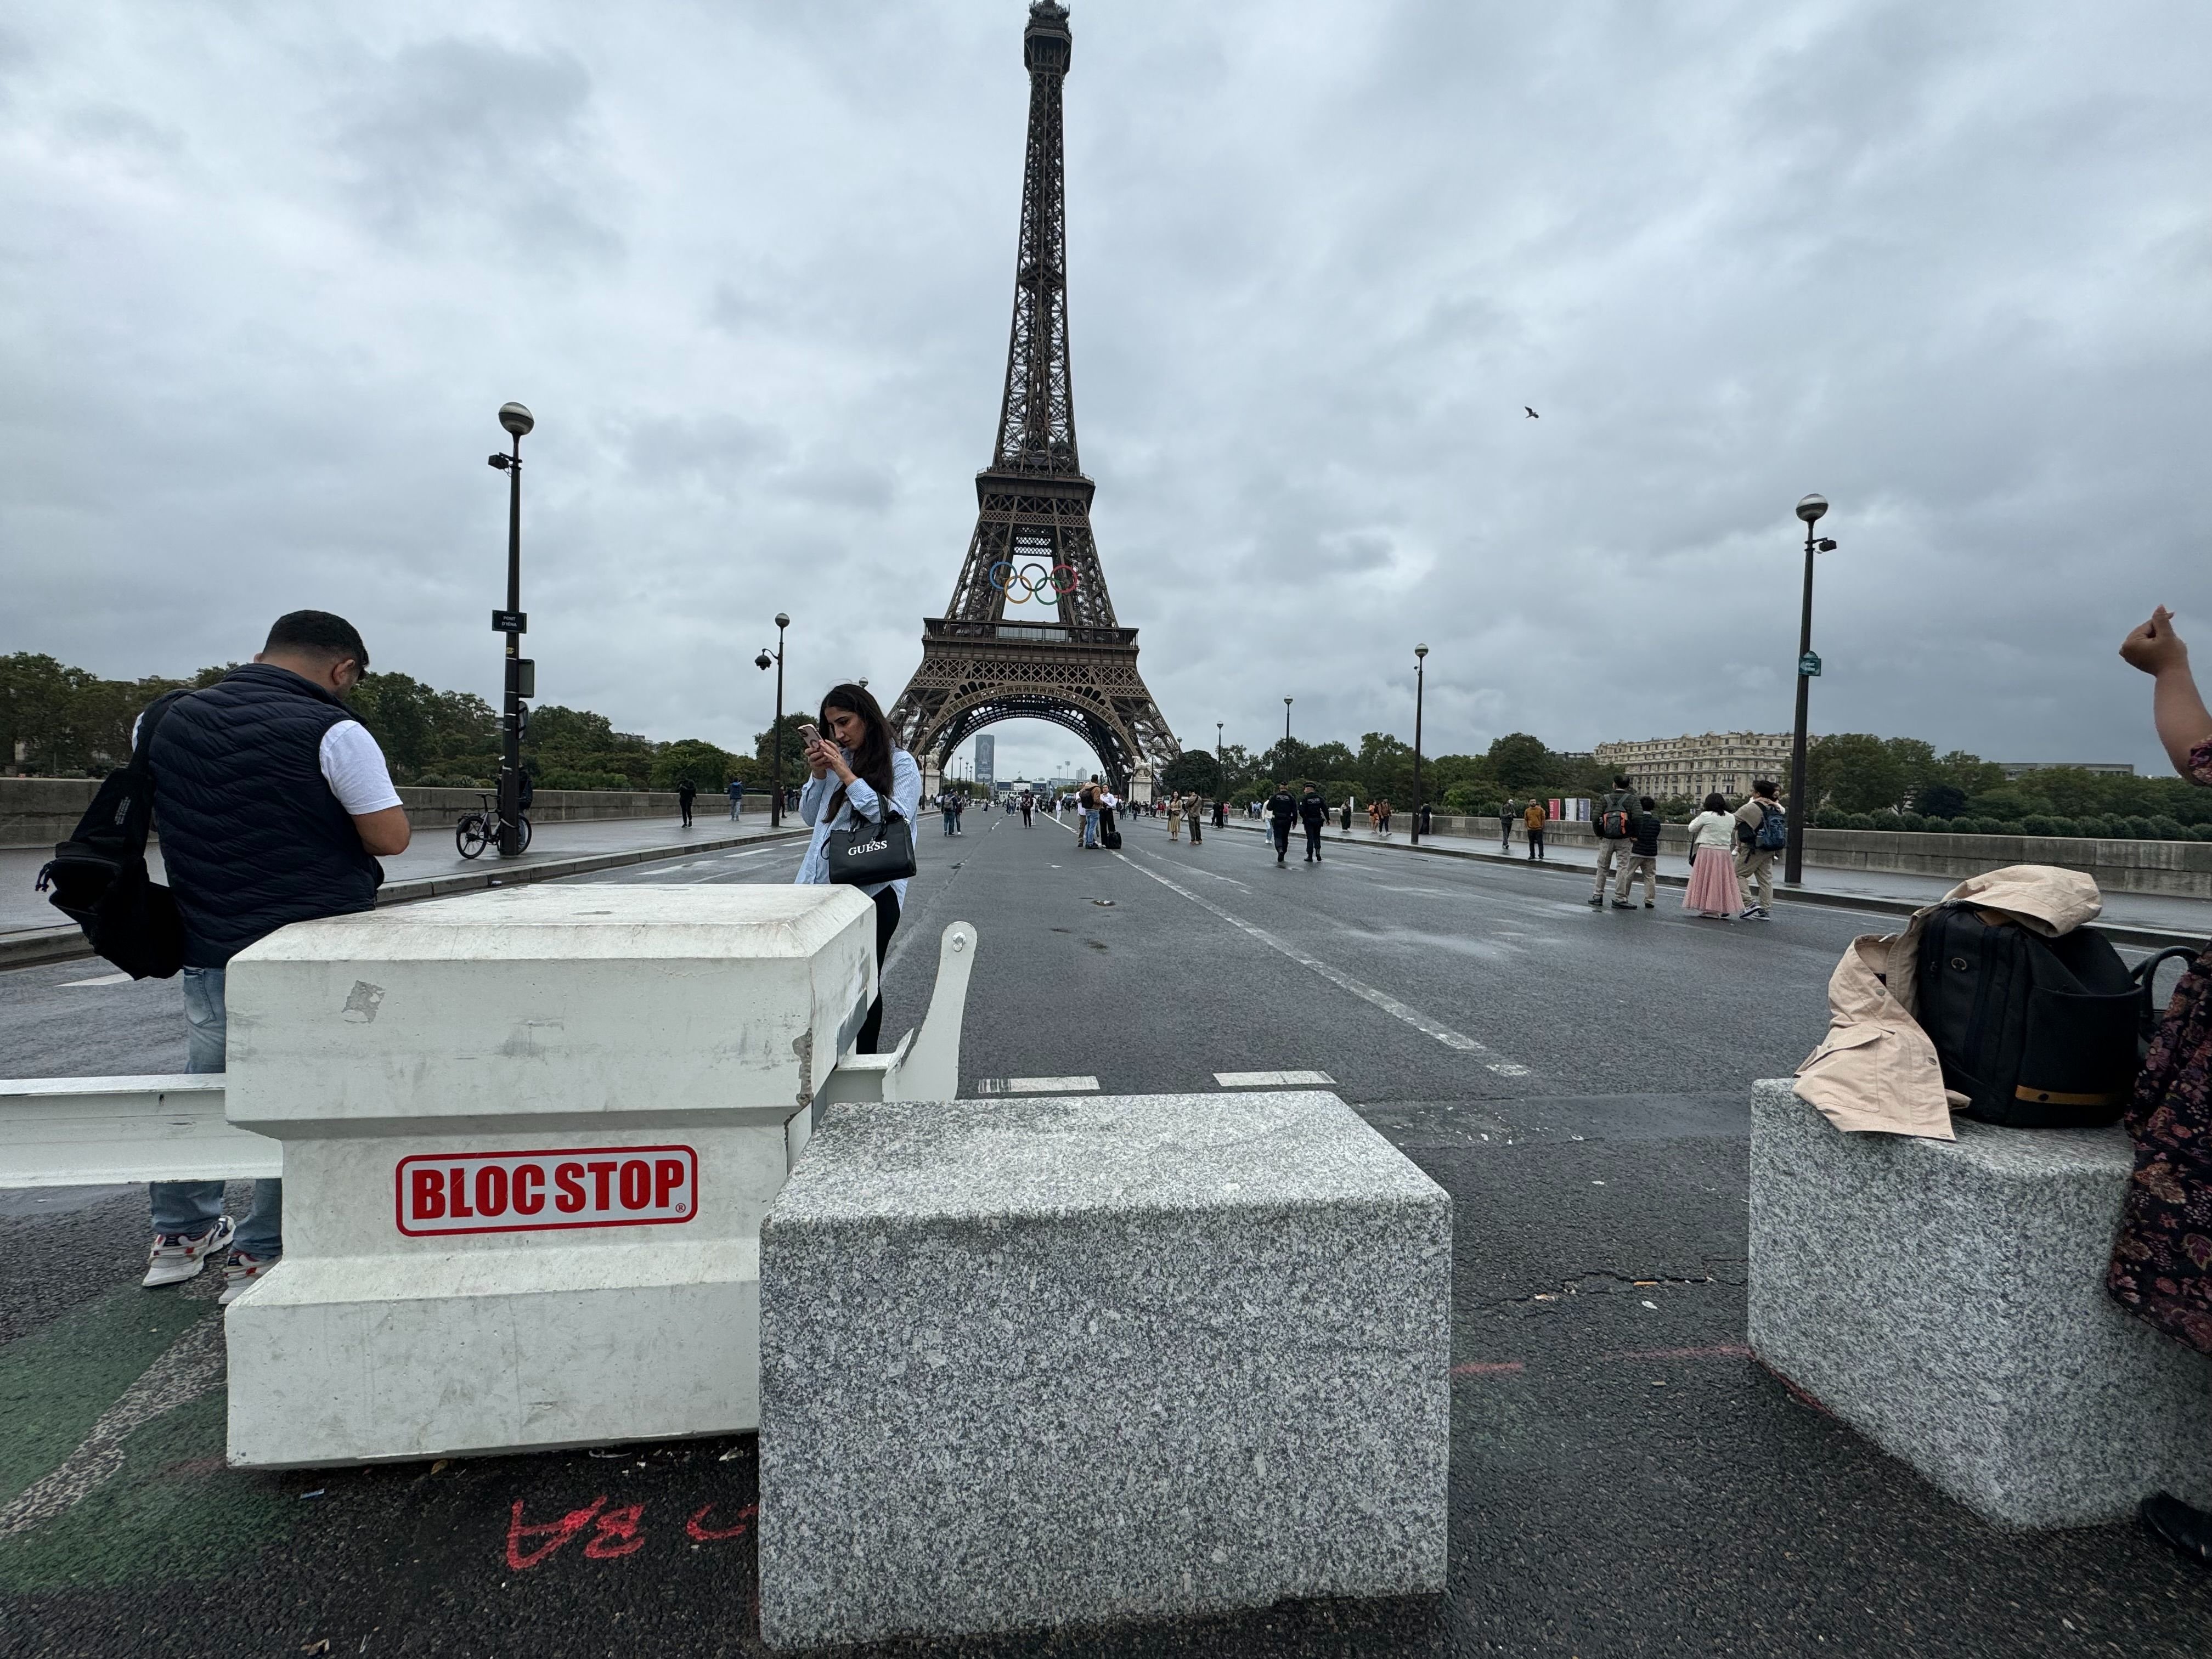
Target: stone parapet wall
(2180,868)
(40,811)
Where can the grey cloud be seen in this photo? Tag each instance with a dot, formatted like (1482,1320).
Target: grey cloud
(1948,265)
(475,141)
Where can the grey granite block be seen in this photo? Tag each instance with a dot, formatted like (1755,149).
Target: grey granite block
(1947,1300)
(1036,1362)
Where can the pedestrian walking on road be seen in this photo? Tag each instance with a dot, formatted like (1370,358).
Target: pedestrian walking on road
(2162,1269)
(1507,815)
(1175,817)
(1762,831)
(1615,824)
(737,797)
(945,808)
(686,793)
(857,771)
(1029,809)
(274,804)
(1282,808)
(1221,815)
(1194,815)
(959,807)
(1532,821)
(1642,857)
(1712,891)
(1313,814)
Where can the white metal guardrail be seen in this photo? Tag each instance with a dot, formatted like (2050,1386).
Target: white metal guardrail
(100,1131)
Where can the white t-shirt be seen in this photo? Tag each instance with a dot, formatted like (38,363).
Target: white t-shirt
(353,768)
(352,765)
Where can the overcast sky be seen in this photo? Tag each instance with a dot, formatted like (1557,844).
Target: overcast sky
(271,268)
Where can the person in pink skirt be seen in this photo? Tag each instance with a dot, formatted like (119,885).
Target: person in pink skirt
(1712,891)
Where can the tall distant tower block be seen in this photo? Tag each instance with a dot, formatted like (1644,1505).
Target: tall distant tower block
(1033,519)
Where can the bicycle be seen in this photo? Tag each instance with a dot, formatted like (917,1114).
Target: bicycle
(477,831)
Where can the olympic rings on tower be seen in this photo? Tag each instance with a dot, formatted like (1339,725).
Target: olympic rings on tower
(1033,581)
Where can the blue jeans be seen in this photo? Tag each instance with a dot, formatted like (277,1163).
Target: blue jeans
(1090,828)
(191,1206)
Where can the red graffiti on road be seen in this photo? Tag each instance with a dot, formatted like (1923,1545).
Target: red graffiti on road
(618,1532)
(697,1527)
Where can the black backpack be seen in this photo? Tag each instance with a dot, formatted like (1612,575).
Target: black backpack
(98,876)
(2038,1033)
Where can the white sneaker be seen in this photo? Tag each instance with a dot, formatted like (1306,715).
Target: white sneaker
(243,1273)
(177,1257)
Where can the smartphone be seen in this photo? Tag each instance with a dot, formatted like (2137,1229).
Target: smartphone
(809,734)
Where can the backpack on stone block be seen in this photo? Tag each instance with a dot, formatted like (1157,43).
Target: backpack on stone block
(2038,1033)
(1773,832)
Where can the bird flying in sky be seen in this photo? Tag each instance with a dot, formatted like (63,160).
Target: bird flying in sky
(1533,415)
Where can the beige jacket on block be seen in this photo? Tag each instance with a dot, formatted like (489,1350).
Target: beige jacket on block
(1876,1069)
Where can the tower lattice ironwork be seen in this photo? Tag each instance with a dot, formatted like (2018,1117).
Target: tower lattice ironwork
(1079,670)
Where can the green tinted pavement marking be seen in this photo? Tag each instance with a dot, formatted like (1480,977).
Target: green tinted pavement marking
(142,1496)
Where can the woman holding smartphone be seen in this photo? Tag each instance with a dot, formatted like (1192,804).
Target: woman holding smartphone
(857,771)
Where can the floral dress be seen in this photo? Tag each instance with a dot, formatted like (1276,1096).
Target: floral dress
(2162,1259)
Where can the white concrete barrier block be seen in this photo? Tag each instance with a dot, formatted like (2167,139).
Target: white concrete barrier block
(529,1138)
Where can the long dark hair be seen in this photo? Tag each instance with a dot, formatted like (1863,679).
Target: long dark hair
(872,761)
(1714,803)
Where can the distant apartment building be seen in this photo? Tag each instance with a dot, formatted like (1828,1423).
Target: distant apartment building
(2014,769)
(1692,768)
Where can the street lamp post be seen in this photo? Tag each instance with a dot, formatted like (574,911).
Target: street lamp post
(1793,859)
(520,675)
(1286,721)
(775,732)
(1420,685)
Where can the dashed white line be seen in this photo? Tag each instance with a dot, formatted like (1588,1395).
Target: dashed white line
(1037,1085)
(104,979)
(1336,976)
(1274,1080)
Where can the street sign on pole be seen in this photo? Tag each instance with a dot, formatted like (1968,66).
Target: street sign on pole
(1809,665)
(510,622)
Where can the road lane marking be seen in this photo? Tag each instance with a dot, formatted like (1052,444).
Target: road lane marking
(104,979)
(1274,1080)
(192,1366)
(1037,1085)
(1344,982)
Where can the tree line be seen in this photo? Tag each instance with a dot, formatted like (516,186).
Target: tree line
(1854,780)
(58,721)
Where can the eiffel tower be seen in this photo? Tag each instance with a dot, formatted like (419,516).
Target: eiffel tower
(1034,515)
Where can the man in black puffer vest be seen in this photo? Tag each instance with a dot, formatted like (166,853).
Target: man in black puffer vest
(272,803)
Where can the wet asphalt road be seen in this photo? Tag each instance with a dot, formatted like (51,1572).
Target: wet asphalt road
(1626,1479)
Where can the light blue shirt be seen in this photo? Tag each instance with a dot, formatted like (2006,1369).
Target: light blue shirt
(860,801)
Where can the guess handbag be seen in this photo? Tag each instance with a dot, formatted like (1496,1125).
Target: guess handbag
(871,851)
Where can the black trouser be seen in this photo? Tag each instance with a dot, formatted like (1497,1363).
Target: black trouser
(1313,840)
(1535,843)
(686,805)
(887,920)
(1282,834)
